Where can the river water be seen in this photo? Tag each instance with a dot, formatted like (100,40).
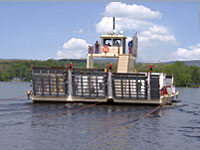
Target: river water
(25,125)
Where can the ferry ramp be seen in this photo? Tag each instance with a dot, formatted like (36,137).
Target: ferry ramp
(123,63)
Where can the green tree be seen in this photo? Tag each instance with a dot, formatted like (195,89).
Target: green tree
(177,69)
(27,74)
(186,79)
(195,74)
(11,71)
(5,76)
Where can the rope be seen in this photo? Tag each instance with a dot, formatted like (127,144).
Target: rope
(148,114)
(136,120)
(12,98)
(91,105)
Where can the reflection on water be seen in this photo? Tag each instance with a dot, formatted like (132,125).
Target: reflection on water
(38,126)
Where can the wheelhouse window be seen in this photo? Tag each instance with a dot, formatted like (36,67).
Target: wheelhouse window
(117,42)
(107,42)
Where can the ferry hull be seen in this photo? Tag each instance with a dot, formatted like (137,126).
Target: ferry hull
(165,100)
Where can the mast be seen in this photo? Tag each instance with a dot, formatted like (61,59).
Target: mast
(113,23)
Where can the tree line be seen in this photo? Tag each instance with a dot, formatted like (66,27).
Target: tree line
(184,76)
(21,69)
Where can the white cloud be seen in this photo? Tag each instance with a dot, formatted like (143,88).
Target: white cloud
(128,17)
(105,25)
(125,24)
(191,53)
(197,46)
(74,48)
(134,17)
(156,44)
(119,9)
(157,33)
(155,41)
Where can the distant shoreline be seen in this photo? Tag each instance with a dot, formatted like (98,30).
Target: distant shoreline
(185,73)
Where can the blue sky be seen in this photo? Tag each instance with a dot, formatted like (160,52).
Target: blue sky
(42,30)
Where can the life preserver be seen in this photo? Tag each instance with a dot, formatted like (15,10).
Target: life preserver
(105,49)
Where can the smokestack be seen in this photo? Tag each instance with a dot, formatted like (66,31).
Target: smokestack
(113,23)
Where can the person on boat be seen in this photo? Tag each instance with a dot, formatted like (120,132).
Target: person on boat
(151,68)
(96,47)
(89,50)
(28,93)
(117,43)
(130,45)
(106,69)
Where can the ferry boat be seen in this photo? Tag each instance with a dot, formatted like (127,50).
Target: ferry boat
(125,85)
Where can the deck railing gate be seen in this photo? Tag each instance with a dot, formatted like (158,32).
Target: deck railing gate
(154,87)
(49,81)
(129,86)
(89,83)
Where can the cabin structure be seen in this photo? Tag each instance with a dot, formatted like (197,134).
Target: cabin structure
(114,46)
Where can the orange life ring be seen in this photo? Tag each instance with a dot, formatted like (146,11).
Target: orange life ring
(105,49)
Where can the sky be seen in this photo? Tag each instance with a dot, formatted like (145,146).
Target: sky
(167,31)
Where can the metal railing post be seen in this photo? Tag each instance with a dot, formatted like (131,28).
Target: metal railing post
(70,90)
(110,87)
(149,85)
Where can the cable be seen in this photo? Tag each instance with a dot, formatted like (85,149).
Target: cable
(133,121)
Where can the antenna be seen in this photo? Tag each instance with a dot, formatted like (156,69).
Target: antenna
(113,23)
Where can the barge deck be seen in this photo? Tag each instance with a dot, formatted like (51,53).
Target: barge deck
(96,85)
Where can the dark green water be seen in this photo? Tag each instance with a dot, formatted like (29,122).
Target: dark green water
(28,126)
